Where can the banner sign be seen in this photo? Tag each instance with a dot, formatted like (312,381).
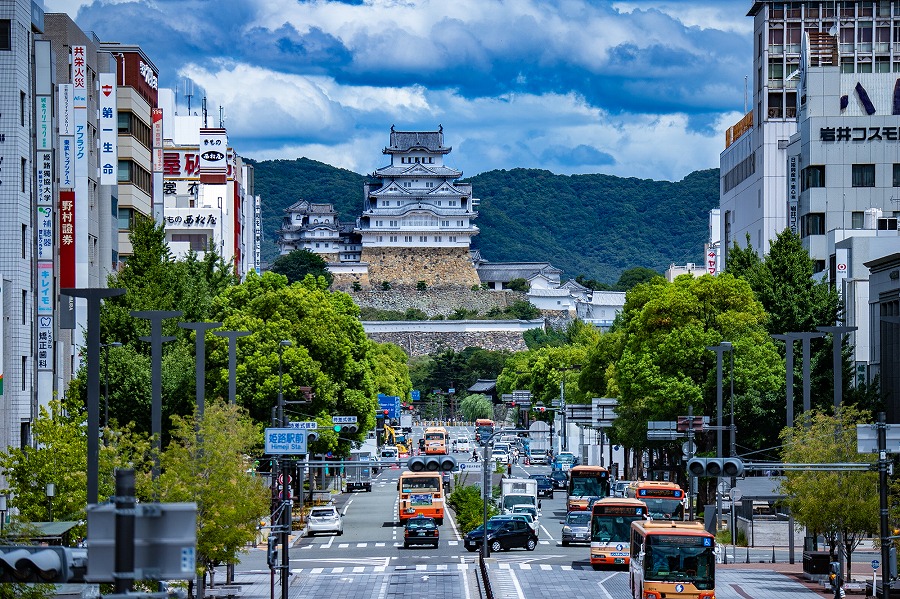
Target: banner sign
(45,288)
(66,106)
(66,162)
(213,153)
(157,115)
(45,233)
(45,343)
(109,130)
(66,239)
(287,441)
(45,178)
(793,193)
(42,123)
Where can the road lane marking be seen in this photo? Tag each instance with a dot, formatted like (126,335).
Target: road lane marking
(343,545)
(330,541)
(346,507)
(453,524)
(548,532)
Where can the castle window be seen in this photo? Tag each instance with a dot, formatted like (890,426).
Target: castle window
(417,160)
(398,202)
(437,238)
(393,239)
(378,223)
(298,217)
(423,238)
(317,244)
(430,160)
(326,244)
(459,223)
(452,238)
(453,202)
(380,239)
(407,238)
(439,202)
(445,223)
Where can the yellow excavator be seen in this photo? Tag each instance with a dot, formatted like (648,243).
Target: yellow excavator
(392,437)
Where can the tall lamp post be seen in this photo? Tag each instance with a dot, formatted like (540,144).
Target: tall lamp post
(106,347)
(285,500)
(720,349)
(283,344)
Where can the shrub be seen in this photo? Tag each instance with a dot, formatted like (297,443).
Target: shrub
(468,506)
(421,286)
(385,286)
(356,286)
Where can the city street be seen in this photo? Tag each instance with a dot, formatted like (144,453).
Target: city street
(369,559)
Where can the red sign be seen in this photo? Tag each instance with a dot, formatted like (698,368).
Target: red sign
(67,239)
(107,89)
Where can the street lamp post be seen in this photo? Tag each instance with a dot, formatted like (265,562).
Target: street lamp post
(720,349)
(284,343)
(106,347)
(3,498)
(50,492)
(286,518)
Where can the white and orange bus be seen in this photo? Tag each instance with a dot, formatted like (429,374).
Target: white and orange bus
(586,483)
(664,500)
(484,428)
(421,493)
(436,441)
(611,520)
(672,559)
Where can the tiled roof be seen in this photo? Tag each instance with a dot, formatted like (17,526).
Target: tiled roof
(426,171)
(558,292)
(507,271)
(483,386)
(404,140)
(608,298)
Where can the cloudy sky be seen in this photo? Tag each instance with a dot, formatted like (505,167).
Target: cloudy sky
(630,88)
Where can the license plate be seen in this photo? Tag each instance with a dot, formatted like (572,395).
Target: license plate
(619,560)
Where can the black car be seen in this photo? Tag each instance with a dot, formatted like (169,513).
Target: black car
(504,533)
(560,479)
(544,485)
(421,530)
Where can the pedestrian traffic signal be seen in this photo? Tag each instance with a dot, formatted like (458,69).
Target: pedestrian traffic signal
(272,551)
(32,563)
(432,463)
(716,467)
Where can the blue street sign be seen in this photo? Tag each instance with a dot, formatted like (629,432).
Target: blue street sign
(285,441)
(343,419)
(875,564)
(391,403)
(307,425)
(415,394)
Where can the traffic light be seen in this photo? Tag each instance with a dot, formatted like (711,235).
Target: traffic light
(31,563)
(311,436)
(272,551)
(716,467)
(432,463)
(541,409)
(345,428)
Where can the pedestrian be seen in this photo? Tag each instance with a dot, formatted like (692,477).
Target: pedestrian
(474,455)
(508,468)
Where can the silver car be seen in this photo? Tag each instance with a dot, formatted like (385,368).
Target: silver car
(576,528)
(325,519)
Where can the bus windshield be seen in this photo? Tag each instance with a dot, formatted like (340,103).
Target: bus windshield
(606,528)
(434,436)
(659,508)
(681,558)
(420,484)
(585,486)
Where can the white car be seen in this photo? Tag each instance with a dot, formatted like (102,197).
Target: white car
(463,445)
(325,519)
(499,455)
(532,513)
(537,456)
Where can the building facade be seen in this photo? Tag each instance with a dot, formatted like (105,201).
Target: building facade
(760,187)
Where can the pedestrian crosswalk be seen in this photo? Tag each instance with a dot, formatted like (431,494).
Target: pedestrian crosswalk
(375,569)
(334,545)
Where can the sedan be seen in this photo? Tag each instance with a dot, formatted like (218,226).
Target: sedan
(576,528)
(421,530)
(560,479)
(544,485)
(504,533)
(325,519)
(499,456)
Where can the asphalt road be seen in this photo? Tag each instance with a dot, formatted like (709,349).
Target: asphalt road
(369,559)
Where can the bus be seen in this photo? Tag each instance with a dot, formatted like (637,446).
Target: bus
(672,559)
(664,500)
(421,493)
(586,483)
(611,520)
(436,441)
(484,428)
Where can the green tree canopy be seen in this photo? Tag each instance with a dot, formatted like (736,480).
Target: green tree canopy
(658,366)
(299,263)
(831,502)
(476,406)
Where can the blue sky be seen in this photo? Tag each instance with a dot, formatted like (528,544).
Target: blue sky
(633,88)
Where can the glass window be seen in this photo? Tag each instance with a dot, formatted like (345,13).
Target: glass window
(863,175)
(5,34)
(896,175)
(126,219)
(813,224)
(812,176)
(858,219)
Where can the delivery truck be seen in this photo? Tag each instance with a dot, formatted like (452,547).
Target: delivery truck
(517,491)
(359,474)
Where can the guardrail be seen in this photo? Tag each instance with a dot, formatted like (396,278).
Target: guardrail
(485,579)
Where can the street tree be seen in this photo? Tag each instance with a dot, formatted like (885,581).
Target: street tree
(299,263)
(328,353)
(657,365)
(476,406)
(206,462)
(836,504)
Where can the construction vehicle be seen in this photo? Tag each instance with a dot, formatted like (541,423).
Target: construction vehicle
(392,437)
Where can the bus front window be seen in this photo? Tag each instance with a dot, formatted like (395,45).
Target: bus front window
(664,509)
(688,564)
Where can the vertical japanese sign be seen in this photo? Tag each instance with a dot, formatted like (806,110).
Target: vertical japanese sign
(45,343)
(67,162)
(66,109)
(42,122)
(109,129)
(45,288)
(712,260)
(45,178)
(213,154)
(156,114)
(2,335)
(45,233)
(257,227)
(81,150)
(66,238)
(793,192)
(841,269)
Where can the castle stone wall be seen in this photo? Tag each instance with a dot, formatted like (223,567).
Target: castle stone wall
(422,343)
(404,267)
(435,302)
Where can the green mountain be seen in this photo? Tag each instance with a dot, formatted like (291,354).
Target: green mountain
(594,225)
